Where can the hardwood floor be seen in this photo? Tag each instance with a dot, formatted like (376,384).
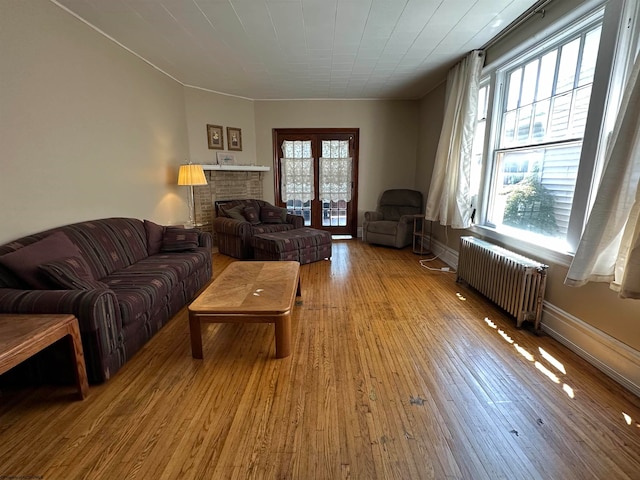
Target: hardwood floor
(394,374)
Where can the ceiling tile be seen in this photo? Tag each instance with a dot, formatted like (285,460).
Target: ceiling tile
(303,48)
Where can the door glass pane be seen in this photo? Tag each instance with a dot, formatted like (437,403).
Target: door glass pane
(297,183)
(335,182)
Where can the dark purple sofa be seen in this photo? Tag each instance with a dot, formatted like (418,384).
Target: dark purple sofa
(122,278)
(234,234)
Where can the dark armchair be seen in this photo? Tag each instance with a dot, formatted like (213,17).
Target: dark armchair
(392,222)
(234,227)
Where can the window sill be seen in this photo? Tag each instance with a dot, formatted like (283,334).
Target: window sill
(540,253)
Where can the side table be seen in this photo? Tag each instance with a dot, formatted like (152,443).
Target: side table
(420,234)
(22,336)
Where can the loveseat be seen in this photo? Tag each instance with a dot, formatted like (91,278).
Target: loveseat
(122,278)
(237,221)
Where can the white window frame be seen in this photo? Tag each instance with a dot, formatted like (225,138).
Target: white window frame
(618,46)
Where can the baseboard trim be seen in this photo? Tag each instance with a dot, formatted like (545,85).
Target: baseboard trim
(446,254)
(610,356)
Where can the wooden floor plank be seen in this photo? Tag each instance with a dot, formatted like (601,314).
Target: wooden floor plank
(396,372)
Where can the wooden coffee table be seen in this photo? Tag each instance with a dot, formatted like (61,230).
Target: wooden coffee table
(249,292)
(22,336)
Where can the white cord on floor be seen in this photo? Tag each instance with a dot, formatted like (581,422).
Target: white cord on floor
(442,269)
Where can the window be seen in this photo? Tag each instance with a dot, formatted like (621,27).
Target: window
(537,178)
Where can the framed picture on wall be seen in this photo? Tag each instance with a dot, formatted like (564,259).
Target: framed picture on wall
(215,137)
(234,139)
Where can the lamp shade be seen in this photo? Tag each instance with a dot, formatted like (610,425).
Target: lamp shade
(191,175)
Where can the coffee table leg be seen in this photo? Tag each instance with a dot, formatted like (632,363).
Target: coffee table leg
(78,359)
(196,336)
(283,336)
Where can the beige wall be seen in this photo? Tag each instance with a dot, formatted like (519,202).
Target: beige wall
(594,304)
(87,129)
(204,108)
(388,139)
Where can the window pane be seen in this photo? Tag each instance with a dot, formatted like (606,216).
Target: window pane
(477,150)
(568,64)
(524,124)
(579,111)
(541,118)
(547,75)
(589,56)
(515,79)
(559,121)
(508,129)
(533,189)
(482,103)
(529,83)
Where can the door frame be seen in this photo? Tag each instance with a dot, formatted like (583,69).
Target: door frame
(352,205)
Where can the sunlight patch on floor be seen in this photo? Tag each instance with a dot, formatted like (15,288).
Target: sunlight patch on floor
(550,359)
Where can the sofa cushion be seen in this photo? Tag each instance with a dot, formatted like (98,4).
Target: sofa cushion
(154,233)
(270,228)
(272,214)
(24,262)
(384,227)
(176,266)
(252,215)
(233,212)
(70,273)
(176,239)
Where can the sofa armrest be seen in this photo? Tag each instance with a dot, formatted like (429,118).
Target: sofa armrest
(95,309)
(373,216)
(205,239)
(296,220)
(98,316)
(231,226)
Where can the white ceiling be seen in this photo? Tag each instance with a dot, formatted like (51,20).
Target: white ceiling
(290,49)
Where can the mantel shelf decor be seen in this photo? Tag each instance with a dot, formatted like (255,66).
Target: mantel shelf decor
(238,168)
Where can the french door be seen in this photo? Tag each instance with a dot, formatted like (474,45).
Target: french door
(316,176)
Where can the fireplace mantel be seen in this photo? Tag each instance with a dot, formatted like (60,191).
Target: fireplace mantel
(238,168)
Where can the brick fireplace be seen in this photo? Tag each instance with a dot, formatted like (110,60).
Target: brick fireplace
(224,185)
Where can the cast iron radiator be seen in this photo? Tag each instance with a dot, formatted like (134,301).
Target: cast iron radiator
(515,283)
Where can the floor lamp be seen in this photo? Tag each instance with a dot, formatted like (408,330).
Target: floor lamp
(191,175)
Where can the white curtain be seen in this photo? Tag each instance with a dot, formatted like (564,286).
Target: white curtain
(335,171)
(296,170)
(449,198)
(609,250)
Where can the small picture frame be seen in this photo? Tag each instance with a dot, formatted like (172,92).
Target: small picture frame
(226,158)
(234,139)
(215,137)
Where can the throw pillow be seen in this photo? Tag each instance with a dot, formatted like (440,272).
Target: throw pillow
(234,212)
(154,236)
(273,214)
(71,273)
(25,261)
(252,215)
(176,239)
